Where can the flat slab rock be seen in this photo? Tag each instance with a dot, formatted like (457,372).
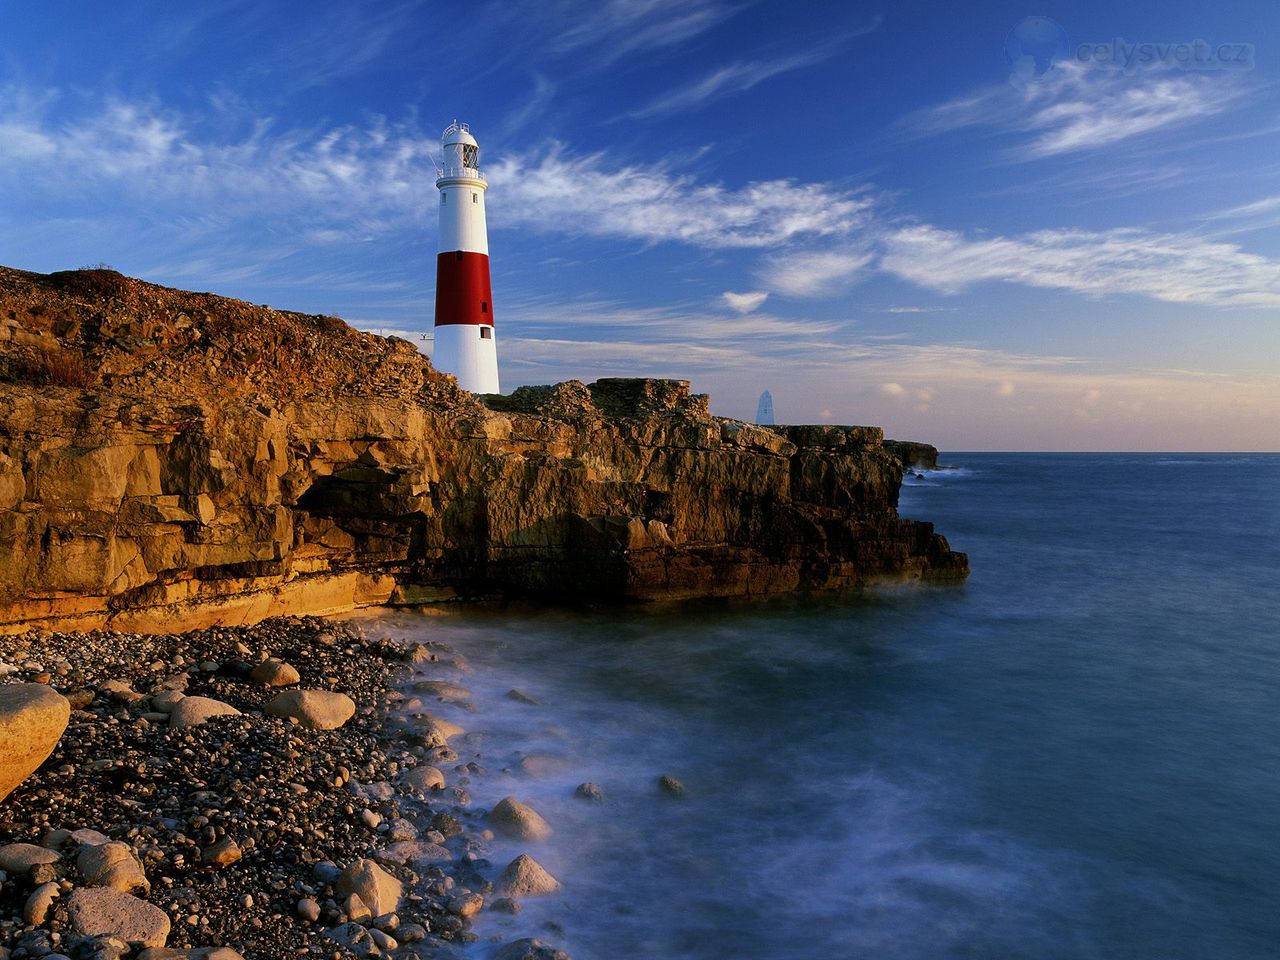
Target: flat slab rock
(314,709)
(19,858)
(192,711)
(32,720)
(103,912)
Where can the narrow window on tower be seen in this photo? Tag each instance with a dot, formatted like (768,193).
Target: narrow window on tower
(486,333)
(475,198)
(443,197)
(484,306)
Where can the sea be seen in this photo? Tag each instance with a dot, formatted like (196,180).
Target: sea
(1073,756)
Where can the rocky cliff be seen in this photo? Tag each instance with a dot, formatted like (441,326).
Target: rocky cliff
(171,459)
(913,455)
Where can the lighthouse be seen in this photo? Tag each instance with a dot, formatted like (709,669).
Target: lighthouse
(464,337)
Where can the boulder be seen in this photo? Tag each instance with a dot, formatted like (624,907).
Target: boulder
(518,820)
(442,690)
(275,673)
(19,858)
(198,953)
(104,912)
(221,853)
(112,865)
(589,791)
(436,732)
(529,948)
(166,700)
(192,711)
(525,877)
(36,910)
(423,778)
(379,890)
(414,851)
(466,904)
(314,709)
(355,938)
(88,838)
(32,719)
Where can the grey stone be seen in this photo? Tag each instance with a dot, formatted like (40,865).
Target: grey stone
(104,912)
(36,910)
(518,820)
(525,877)
(314,709)
(275,673)
(378,889)
(19,858)
(191,711)
(113,865)
(32,720)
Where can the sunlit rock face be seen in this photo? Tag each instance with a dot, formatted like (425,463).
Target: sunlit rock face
(172,459)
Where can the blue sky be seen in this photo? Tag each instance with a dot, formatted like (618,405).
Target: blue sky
(973,228)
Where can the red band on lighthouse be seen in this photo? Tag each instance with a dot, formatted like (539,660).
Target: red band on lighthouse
(462,289)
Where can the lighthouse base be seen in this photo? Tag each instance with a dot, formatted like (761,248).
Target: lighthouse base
(469,351)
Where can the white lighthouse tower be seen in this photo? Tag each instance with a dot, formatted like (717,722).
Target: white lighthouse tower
(464,339)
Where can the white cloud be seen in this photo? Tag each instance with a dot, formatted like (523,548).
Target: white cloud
(1177,268)
(745,302)
(142,152)
(653,204)
(665,325)
(1007,388)
(742,75)
(813,273)
(893,390)
(1079,107)
(613,29)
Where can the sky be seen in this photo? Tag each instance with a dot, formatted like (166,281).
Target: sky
(987,226)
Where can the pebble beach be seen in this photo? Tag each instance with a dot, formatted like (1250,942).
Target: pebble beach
(264,792)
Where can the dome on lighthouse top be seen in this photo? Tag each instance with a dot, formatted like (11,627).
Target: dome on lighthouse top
(460,155)
(457,133)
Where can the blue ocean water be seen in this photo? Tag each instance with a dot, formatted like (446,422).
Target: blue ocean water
(1074,755)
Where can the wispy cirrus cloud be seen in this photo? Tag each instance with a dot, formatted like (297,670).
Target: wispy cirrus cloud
(814,273)
(744,302)
(656,204)
(1078,107)
(610,30)
(1173,267)
(141,151)
(741,75)
(274,192)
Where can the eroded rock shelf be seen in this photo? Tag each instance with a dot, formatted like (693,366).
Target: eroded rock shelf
(170,460)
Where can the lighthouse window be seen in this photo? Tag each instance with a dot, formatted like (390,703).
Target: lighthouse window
(475,198)
(486,333)
(470,155)
(443,197)
(484,306)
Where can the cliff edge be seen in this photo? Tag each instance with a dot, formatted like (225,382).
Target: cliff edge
(171,460)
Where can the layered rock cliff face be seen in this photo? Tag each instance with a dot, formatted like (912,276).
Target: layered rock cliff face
(170,460)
